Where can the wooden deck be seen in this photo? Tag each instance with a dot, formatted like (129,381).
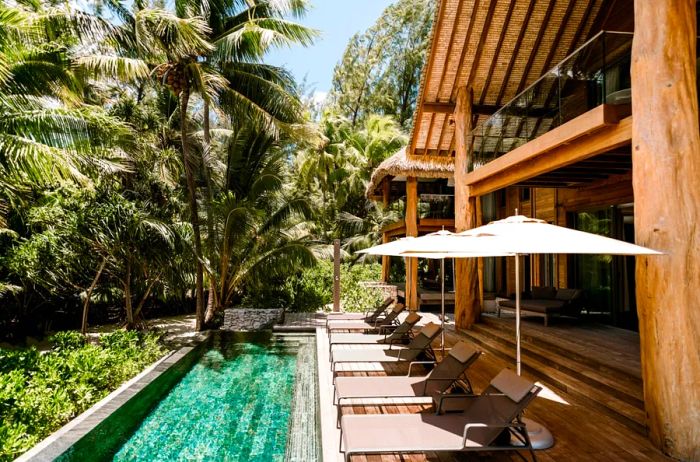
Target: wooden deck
(611,346)
(581,432)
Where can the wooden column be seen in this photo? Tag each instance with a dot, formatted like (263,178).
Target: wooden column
(666,181)
(412,230)
(480,260)
(467,306)
(386,260)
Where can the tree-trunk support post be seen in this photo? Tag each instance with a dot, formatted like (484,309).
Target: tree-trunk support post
(666,181)
(386,260)
(467,306)
(412,230)
(336,275)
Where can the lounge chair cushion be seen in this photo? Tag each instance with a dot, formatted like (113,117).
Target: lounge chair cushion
(404,432)
(462,352)
(512,385)
(412,318)
(430,330)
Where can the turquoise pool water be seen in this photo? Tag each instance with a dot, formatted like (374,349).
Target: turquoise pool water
(239,401)
(234,404)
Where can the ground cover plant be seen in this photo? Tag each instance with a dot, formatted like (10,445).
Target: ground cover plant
(41,391)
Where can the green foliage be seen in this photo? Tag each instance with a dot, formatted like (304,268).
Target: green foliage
(312,290)
(68,340)
(380,69)
(41,392)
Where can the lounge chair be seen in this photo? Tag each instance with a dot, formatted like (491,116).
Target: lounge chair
(388,335)
(366,316)
(438,381)
(390,319)
(489,422)
(391,354)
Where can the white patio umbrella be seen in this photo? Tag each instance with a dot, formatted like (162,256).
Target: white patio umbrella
(519,235)
(432,246)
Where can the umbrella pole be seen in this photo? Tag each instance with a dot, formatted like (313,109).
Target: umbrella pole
(517,313)
(442,300)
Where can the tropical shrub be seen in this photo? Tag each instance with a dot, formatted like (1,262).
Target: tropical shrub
(312,289)
(41,392)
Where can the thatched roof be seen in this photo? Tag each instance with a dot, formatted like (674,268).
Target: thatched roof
(497,47)
(418,166)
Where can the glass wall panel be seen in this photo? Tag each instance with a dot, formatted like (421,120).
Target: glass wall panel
(596,73)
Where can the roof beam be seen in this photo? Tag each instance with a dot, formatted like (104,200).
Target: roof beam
(449,108)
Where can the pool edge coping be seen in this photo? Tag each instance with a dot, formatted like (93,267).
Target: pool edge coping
(62,439)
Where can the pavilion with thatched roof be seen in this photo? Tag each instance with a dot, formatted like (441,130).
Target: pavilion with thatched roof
(426,184)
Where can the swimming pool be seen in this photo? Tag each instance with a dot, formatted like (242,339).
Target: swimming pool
(238,397)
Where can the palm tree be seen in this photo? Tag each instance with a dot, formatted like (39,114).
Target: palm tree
(212,48)
(337,172)
(263,228)
(46,132)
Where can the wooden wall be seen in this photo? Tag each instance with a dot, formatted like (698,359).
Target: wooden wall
(552,205)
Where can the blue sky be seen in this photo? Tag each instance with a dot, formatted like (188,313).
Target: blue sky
(337,21)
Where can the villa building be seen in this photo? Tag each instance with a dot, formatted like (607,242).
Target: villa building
(582,113)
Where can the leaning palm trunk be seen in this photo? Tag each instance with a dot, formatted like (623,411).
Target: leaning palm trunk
(211,229)
(86,305)
(194,214)
(127,297)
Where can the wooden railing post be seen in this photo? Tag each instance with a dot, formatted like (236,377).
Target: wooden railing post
(666,182)
(467,306)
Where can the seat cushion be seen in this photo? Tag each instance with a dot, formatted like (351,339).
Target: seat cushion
(566,294)
(546,293)
(537,306)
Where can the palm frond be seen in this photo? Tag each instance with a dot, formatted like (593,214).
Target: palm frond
(122,68)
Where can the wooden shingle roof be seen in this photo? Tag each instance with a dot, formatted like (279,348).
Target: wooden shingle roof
(498,47)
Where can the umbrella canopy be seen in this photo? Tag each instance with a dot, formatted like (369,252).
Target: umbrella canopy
(518,235)
(393,249)
(522,235)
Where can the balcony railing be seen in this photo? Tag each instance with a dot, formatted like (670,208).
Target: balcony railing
(598,72)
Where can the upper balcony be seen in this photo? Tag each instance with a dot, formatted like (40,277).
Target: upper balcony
(597,73)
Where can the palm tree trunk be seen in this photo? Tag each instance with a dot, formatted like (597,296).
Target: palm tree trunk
(149,288)
(127,297)
(86,305)
(211,231)
(194,213)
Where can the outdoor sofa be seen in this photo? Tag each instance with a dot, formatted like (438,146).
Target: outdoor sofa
(546,302)
(489,422)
